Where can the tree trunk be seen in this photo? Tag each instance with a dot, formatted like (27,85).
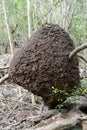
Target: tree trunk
(72,13)
(29,18)
(63,13)
(85,26)
(7,24)
(50,13)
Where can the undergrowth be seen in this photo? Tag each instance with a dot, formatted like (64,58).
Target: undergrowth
(81,89)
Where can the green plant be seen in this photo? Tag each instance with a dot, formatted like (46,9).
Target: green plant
(82,89)
(79,90)
(59,106)
(59,99)
(56,90)
(84,82)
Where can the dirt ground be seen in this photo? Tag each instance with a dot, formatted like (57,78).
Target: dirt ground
(16,109)
(18,113)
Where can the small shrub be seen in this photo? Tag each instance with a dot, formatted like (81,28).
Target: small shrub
(60,100)
(81,90)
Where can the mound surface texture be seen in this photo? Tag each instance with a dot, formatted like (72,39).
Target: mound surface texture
(44,62)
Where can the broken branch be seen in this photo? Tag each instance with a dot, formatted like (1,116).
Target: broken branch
(78,49)
(80,56)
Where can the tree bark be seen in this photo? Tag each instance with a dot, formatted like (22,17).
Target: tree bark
(85,36)
(50,13)
(7,24)
(64,13)
(29,18)
(72,14)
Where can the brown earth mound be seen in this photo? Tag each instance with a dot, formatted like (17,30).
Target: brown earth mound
(43,62)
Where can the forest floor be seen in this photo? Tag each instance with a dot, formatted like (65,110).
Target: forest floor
(16,107)
(18,113)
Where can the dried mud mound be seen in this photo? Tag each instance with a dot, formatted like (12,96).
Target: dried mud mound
(43,62)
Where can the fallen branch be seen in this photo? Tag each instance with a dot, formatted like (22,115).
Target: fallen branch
(4,67)
(76,115)
(42,116)
(62,123)
(3,78)
(78,49)
(80,56)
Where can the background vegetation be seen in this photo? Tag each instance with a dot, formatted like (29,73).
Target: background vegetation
(69,14)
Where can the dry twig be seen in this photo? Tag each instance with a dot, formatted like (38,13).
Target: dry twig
(4,78)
